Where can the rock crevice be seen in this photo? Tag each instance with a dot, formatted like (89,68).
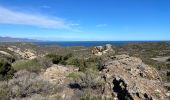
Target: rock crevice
(130,78)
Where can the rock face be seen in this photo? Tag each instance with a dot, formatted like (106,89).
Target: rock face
(26,54)
(129,78)
(99,50)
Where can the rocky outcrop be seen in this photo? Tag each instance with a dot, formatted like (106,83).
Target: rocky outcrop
(129,78)
(126,78)
(57,73)
(5,53)
(99,50)
(25,54)
(161,59)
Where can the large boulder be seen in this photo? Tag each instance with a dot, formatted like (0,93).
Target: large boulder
(57,73)
(100,50)
(108,47)
(129,78)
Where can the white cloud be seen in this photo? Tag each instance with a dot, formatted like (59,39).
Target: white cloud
(101,25)
(8,16)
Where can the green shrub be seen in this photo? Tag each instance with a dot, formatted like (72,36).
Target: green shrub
(58,98)
(74,75)
(83,64)
(89,97)
(94,59)
(92,65)
(73,61)
(68,59)
(91,79)
(44,62)
(30,65)
(4,91)
(56,59)
(67,56)
(95,63)
(6,71)
(88,79)
(10,59)
(168,66)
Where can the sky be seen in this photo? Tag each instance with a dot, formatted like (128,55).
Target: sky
(86,20)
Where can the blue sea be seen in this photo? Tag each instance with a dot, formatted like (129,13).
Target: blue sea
(90,43)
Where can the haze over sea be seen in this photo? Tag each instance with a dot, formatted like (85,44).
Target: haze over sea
(91,43)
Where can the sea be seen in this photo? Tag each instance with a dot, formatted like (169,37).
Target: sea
(91,43)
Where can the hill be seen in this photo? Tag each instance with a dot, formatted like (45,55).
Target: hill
(11,39)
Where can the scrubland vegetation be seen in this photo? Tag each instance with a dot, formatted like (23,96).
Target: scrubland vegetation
(20,77)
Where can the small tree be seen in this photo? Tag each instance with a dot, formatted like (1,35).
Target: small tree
(55,58)
(6,71)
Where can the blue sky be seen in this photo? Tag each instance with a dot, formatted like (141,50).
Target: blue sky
(86,20)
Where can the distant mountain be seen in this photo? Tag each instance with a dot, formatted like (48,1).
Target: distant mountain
(11,39)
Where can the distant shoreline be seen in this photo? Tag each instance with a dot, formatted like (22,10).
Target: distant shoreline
(84,43)
(92,43)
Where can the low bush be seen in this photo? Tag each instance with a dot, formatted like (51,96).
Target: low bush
(44,62)
(74,75)
(67,56)
(82,65)
(73,61)
(6,71)
(58,98)
(34,65)
(4,90)
(25,84)
(56,59)
(91,79)
(10,59)
(93,62)
(88,79)
(30,65)
(94,59)
(89,97)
